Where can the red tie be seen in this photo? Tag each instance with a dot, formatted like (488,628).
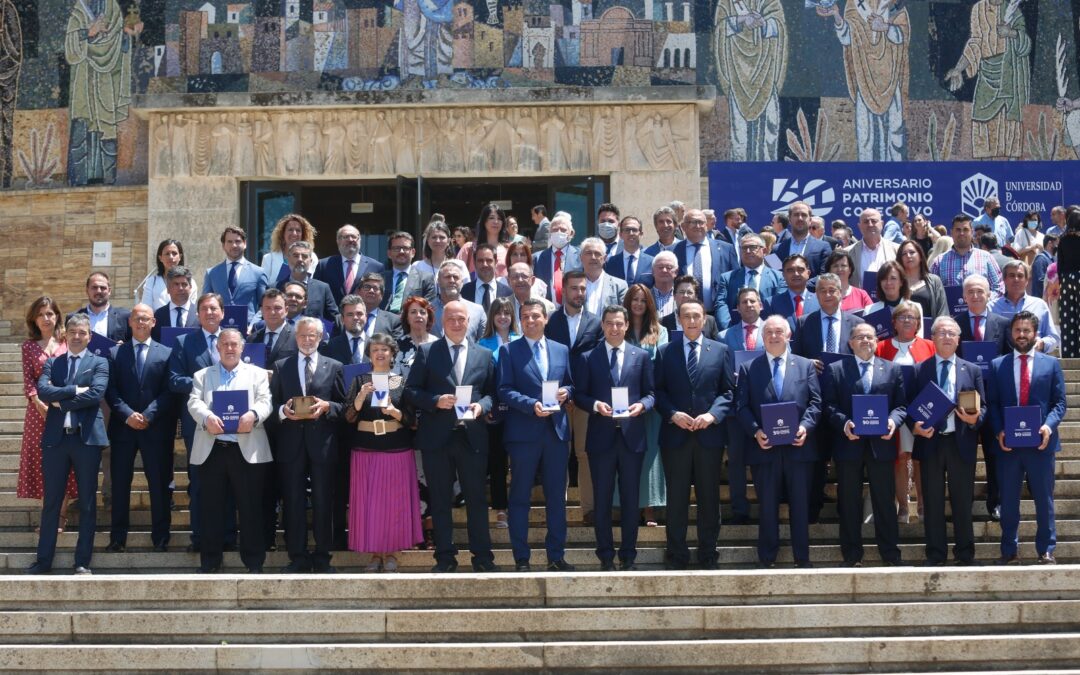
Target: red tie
(978,330)
(798,306)
(1025,380)
(751,344)
(350,276)
(556,277)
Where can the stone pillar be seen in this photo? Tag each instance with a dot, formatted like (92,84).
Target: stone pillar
(669,13)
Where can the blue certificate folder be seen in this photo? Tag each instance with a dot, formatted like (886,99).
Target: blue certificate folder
(1022,424)
(744,356)
(169,334)
(235,316)
(255,354)
(954,296)
(931,406)
(881,320)
(100,345)
(979,353)
(351,371)
(230,406)
(869,284)
(780,422)
(870,413)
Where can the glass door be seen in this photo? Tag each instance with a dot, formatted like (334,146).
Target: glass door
(579,196)
(263,206)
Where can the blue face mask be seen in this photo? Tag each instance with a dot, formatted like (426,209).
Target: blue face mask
(1033,224)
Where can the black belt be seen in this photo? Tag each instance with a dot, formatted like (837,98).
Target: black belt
(226,444)
(71,431)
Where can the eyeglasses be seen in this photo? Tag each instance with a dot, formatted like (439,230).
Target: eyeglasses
(371,287)
(947,334)
(905,318)
(400,249)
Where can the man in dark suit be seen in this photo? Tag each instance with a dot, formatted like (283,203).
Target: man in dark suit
(486,286)
(73,385)
(105,320)
(550,264)
(734,229)
(237,280)
(753,273)
(377,320)
(693,396)
(178,283)
(320,301)
(344,271)
(631,263)
(796,300)
(687,288)
(616,438)
(306,445)
(854,454)
(537,438)
(802,242)
(1027,377)
(780,376)
(402,280)
(702,257)
(274,331)
(453,437)
(580,331)
(348,346)
(191,354)
(664,223)
(947,451)
(143,421)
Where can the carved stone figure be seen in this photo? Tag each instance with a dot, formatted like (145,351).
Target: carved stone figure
(162,147)
(404,148)
(265,160)
(287,140)
(359,143)
(427,141)
(311,159)
(500,142)
(11,57)
(200,156)
(180,146)
(580,140)
(656,141)
(479,153)
(452,148)
(607,140)
(382,149)
(635,158)
(334,131)
(221,140)
(244,155)
(553,135)
(528,142)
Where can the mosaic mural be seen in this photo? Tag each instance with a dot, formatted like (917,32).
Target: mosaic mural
(870,80)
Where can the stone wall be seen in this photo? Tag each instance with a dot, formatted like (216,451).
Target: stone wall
(48,239)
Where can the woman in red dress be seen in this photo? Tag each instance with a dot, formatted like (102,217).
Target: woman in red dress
(46,341)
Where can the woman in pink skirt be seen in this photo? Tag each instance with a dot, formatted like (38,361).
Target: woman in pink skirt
(384,504)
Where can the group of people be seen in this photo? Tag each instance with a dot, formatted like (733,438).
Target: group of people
(383,395)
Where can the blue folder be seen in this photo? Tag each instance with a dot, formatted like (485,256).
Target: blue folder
(780,422)
(351,371)
(744,356)
(869,284)
(170,333)
(235,316)
(255,354)
(979,353)
(954,296)
(870,413)
(931,406)
(1022,424)
(229,406)
(881,320)
(100,345)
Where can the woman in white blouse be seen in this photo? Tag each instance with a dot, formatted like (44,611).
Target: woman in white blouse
(291,228)
(155,292)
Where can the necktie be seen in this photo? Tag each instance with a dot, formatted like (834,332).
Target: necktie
(798,306)
(399,291)
(179,317)
(614,366)
(697,263)
(269,344)
(751,343)
(140,359)
(1025,380)
(556,277)
(943,378)
(863,369)
(977,331)
(350,275)
(631,269)
(454,361)
(309,375)
(74,366)
(830,335)
(751,279)
(232,277)
(486,301)
(214,356)
(777,377)
(538,354)
(368,324)
(356,350)
(691,364)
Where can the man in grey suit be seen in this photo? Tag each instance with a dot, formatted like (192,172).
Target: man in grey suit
(539,218)
(601,289)
(236,459)
(377,320)
(452,274)
(403,280)
(320,301)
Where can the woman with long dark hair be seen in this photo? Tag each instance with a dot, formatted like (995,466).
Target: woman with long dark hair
(490,228)
(926,288)
(155,291)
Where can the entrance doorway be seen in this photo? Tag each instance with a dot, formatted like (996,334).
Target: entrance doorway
(378,208)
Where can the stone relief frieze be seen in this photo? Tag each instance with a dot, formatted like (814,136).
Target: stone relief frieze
(427,141)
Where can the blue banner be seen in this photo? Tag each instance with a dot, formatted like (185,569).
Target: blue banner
(938,190)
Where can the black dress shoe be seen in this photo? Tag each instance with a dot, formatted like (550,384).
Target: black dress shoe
(933,563)
(208,570)
(255,569)
(296,567)
(445,567)
(522,566)
(161,548)
(38,568)
(1047,559)
(967,562)
(193,548)
(607,566)
(1008,560)
(560,566)
(852,563)
(804,564)
(766,564)
(325,569)
(486,566)
(892,563)
(115,547)
(628,566)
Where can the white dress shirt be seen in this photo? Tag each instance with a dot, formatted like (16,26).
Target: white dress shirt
(99,321)
(705,251)
(459,368)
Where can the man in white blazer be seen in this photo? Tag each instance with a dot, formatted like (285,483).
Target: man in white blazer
(872,251)
(601,289)
(238,460)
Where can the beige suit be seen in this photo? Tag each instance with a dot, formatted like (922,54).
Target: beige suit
(856,251)
(254,446)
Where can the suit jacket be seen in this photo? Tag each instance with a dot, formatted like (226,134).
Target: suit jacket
(816,253)
(755,389)
(320,301)
(1047,390)
(735,338)
(709,330)
(419,283)
(432,375)
(387,323)
(468,291)
(841,385)
(331,271)
(190,355)
(781,304)
(727,292)
(163,318)
(808,342)
(712,393)
(594,384)
(284,343)
(254,446)
(968,378)
(724,234)
(119,330)
(855,249)
(589,333)
(656,247)
(723,260)
(616,266)
(542,265)
(85,408)
(251,283)
(477,320)
(318,437)
(127,394)
(521,386)
(611,290)
(339,348)
(994,329)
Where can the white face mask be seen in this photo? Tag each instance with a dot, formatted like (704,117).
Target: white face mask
(607,230)
(558,239)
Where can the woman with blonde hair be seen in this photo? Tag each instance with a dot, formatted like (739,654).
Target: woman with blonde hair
(941,245)
(290,229)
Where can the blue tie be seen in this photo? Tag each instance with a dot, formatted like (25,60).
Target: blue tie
(179,317)
(269,344)
(356,350)
(614,366)
(630,271)
(454,360)
(538,354)
(140,359)
(943,378)
(751,280)
(232,277)
(74,366)
(863,368)
(697,263)
(777,377)
(691,364)
(830,335)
